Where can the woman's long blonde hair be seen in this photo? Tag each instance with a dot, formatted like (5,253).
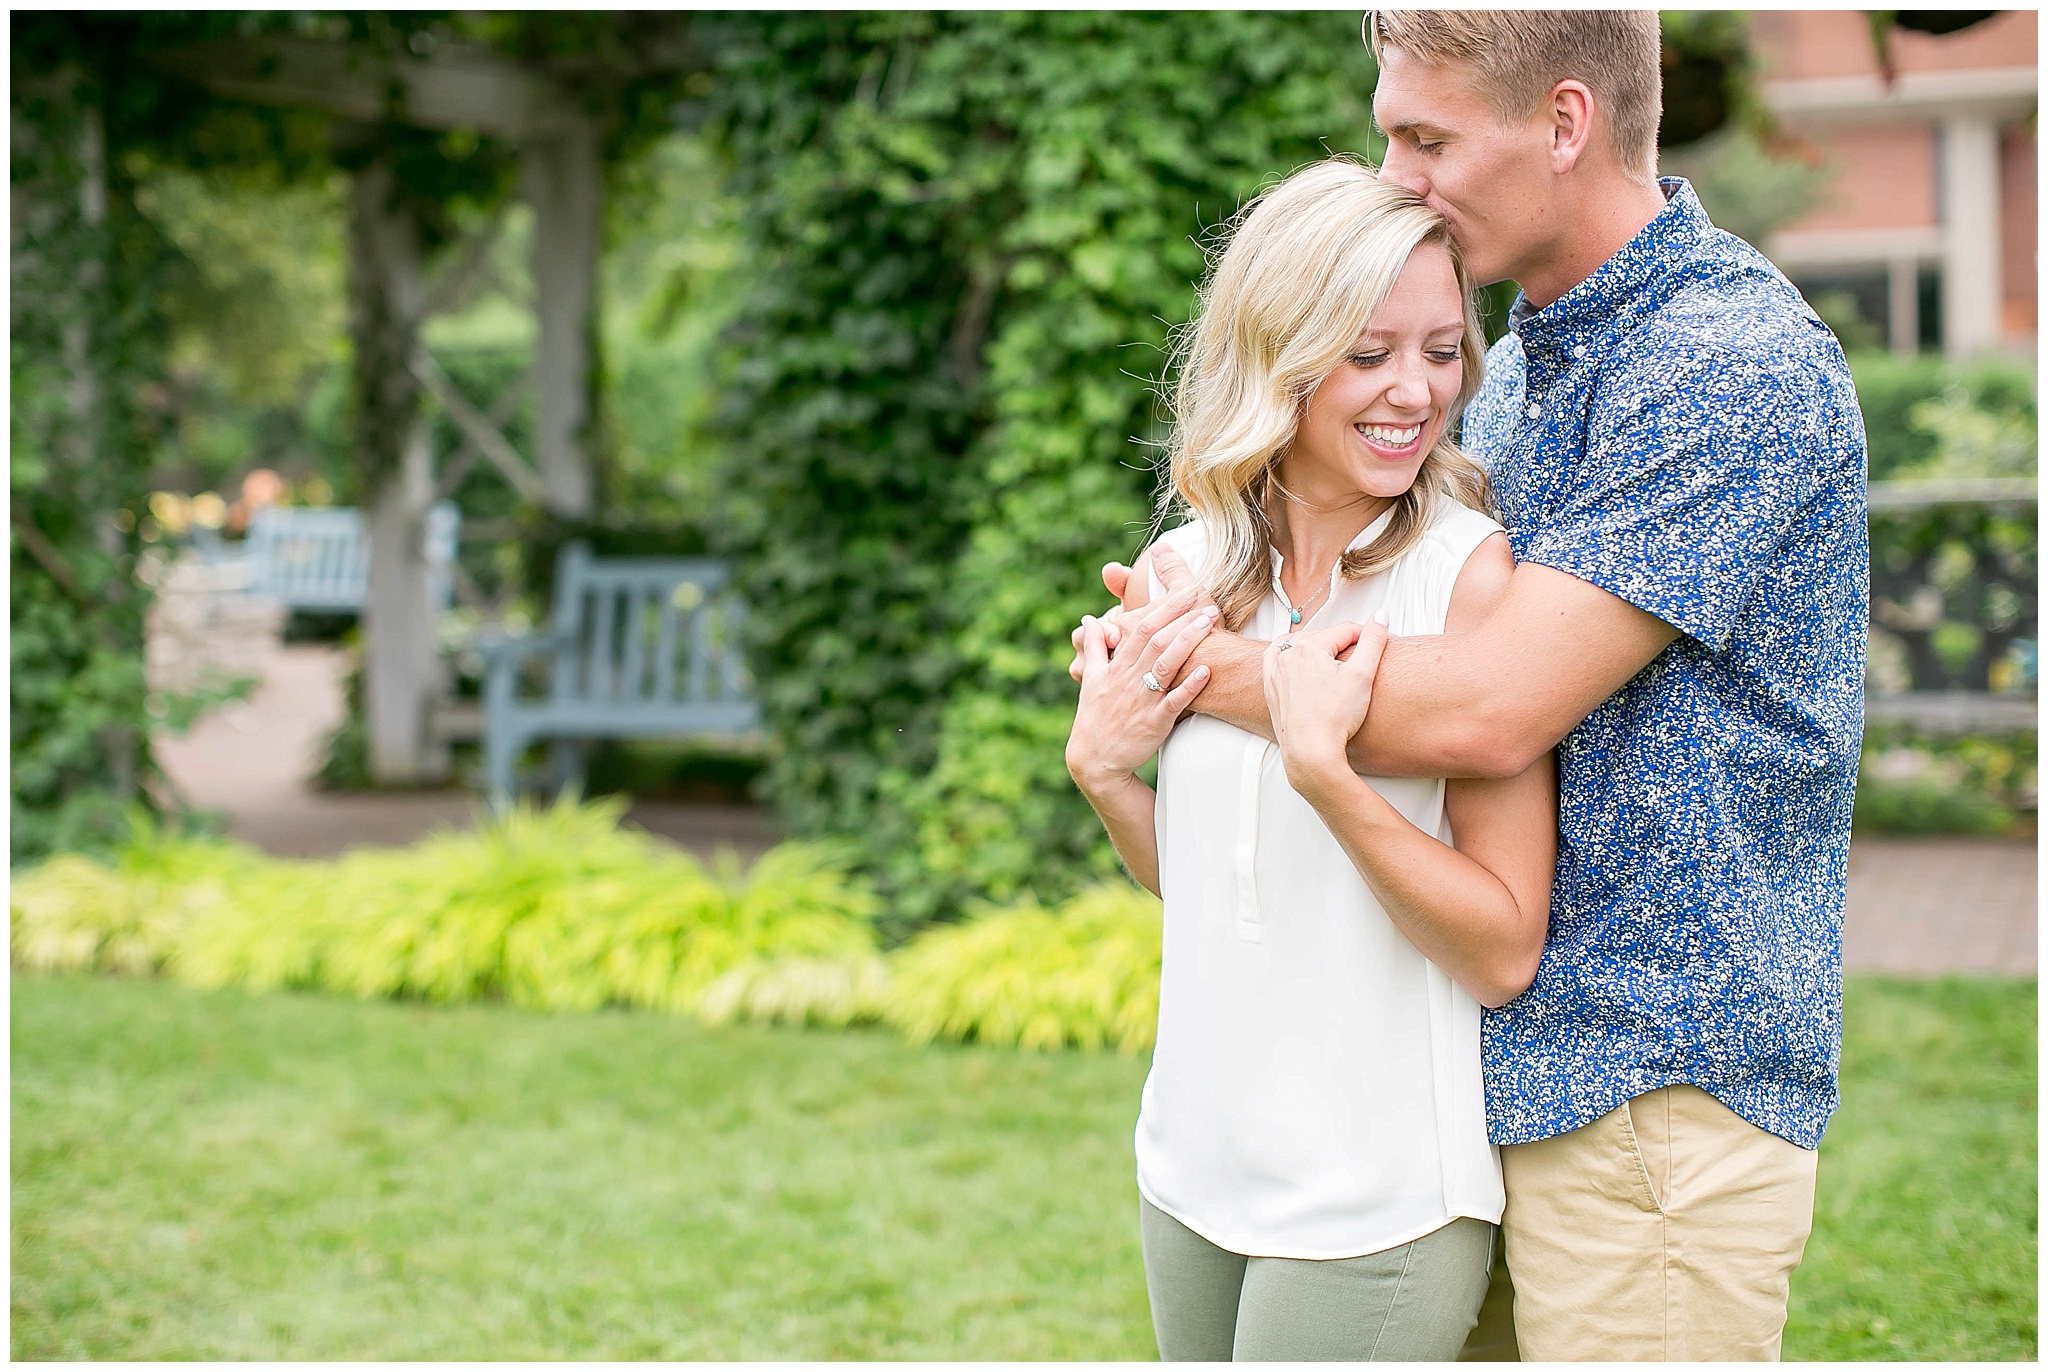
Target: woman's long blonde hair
(1306,266)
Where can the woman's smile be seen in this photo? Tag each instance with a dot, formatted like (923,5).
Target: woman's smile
(1391,442)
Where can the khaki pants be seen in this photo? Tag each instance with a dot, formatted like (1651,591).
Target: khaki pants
(1665,1230)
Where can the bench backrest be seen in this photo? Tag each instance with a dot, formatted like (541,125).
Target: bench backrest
(319,558)
(652,632)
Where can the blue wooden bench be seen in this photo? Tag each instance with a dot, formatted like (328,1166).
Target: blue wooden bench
(640,647)
(319,558)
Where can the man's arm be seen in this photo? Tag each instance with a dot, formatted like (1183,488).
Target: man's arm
(1489,702)
(1485,703)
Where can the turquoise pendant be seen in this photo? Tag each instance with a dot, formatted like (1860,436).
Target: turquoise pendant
(1294,616)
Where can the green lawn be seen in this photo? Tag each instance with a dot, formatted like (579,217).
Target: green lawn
(1924,1239)
(224,1176)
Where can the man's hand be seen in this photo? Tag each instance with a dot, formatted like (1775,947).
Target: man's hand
(1117,579)
(1175,574)
(1130,589)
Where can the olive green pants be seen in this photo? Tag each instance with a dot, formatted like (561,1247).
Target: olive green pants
(1414,1303)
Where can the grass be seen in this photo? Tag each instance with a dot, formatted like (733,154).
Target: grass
(217,1175)
(1926,1224)
(228,1176)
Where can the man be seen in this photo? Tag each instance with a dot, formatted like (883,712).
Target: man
(1678,457)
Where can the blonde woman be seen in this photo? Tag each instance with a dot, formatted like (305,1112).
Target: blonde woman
(1313,1165)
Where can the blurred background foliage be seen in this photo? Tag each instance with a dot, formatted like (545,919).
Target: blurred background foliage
(885,300)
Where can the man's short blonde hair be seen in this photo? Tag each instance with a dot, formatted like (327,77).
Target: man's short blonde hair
(1517,57)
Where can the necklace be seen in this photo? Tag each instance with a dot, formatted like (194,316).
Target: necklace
(1295,612)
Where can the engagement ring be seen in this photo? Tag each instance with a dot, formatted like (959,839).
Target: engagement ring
(1285,646)
(1152,682)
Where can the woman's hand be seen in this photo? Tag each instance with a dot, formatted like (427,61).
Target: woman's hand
(1121,721)
(1319,687)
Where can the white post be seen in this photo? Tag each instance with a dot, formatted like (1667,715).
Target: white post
(398,622)
(561,180)
(398,617)
(1970,285)
(1902,282)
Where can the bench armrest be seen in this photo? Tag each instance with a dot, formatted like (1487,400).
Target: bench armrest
(502,655)
(493,647)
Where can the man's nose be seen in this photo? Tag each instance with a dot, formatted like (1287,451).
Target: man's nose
(1400,167)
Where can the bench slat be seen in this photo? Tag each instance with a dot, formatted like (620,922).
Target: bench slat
(700,651)
(605,604)
(633,674)
(665,648)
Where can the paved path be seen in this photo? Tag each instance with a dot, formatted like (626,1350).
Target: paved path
(250,760)
(1918,907)
(1932,905)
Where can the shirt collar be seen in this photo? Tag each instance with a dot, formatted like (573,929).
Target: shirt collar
(1622,283)
(1363,538)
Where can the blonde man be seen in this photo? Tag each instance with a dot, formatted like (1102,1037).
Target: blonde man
(1678,460)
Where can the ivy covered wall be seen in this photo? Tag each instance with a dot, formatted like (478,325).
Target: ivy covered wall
(969,237)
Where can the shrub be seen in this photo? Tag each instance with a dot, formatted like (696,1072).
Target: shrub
(555,909)
(1928,807)
(832,992)
(560,909)
(1970,784)
(75,914)
(1917,409)
(1085,974)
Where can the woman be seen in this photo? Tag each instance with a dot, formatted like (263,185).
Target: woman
(1313,1166)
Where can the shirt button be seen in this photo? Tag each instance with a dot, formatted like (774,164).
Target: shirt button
(1578,350)
(1533,410)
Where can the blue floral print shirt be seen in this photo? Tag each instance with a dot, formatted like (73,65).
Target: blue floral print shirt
(1682,431)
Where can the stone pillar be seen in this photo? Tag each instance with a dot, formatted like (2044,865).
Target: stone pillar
(387,303)
(1970,280)
(560,178)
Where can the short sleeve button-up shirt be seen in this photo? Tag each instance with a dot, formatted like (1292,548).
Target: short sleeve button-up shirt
(1682,431)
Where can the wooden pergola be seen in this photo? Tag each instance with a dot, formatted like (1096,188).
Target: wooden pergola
(449,87)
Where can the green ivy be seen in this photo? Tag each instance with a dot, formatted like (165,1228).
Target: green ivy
(84,351)
(970,236)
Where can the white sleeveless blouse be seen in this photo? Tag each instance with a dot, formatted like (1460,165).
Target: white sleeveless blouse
(1315,1091)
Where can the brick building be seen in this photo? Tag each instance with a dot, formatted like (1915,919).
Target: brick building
(1930,219)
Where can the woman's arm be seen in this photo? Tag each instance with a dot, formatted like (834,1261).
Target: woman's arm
(1480,910)
(1124,806)
(1121,723)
